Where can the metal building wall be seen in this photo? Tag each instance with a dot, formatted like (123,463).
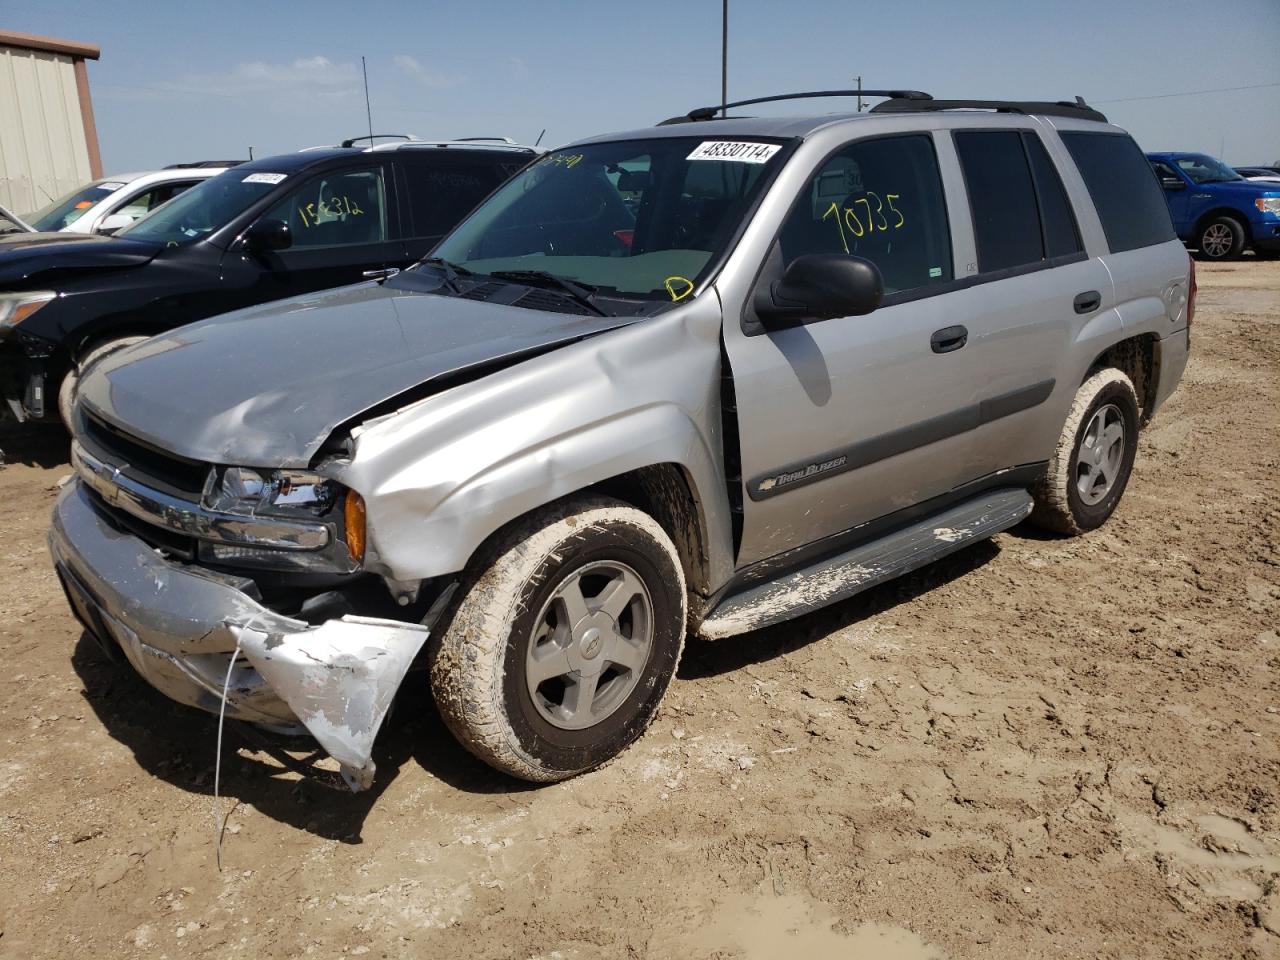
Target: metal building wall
(43,149)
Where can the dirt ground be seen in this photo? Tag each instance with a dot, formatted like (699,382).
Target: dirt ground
(1039,748)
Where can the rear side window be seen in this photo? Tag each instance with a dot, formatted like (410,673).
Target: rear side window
(1061,238)
(1002,199)
(444,190)
(1021,216)
(1124,189)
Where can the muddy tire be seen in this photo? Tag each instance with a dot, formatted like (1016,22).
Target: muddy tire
(558,654)
(1091,464)
(1222,238)
(71,382)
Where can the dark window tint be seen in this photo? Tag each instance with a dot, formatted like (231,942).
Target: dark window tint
(879,199)
(1002,199)
(1124,189)
(444,190)
(1061,238)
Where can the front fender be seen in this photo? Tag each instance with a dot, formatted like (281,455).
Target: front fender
(442,475)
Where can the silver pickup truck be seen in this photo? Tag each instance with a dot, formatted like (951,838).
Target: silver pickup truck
(697,378)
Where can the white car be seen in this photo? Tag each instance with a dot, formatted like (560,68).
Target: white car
(1259,173)
(105,206)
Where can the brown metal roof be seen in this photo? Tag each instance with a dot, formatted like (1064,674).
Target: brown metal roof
(29,41)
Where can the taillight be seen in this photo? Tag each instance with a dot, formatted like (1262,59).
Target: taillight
(1191,298)
(625,237)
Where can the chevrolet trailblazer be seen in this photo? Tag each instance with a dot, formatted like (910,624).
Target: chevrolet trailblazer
(696,378)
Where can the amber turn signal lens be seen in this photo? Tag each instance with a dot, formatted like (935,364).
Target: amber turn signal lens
(353,515)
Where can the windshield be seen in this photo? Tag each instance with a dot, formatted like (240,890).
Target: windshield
(636,219)
(1205,169)
(66,210)
(9,223)
(202,209)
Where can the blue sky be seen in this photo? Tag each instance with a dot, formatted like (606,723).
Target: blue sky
(184,81)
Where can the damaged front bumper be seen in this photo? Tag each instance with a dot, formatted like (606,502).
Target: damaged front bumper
(180,626)
(24,374)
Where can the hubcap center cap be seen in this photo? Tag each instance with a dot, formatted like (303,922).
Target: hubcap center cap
(591,643)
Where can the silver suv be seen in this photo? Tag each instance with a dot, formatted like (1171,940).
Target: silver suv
(697,378)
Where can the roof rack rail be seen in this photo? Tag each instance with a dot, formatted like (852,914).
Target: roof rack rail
(377,136)
(1076,109)
(199,164)
(465,143)
(709,113)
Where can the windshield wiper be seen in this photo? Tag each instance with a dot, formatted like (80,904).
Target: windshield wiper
(452,272)
(580,293)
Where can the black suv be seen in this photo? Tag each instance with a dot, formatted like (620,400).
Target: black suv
(267,229)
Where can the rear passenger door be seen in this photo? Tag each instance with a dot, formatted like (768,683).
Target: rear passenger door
(1034,289)
(442,185)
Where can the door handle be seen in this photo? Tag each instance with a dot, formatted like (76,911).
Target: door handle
(1087,302)
(948,339)
(386,273)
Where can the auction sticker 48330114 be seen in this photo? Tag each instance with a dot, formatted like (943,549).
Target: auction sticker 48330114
(734,150)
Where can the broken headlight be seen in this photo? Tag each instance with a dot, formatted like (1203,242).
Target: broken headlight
(262,497)
(253,492)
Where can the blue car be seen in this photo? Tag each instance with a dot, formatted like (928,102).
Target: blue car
(1217,211)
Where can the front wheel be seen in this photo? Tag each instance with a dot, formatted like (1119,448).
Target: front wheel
(71,382)
(1221,239)
(1091,464)
(559,653)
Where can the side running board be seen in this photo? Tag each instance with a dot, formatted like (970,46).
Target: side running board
(836,578)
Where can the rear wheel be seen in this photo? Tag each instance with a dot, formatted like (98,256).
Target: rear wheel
(560,651)
(71,382)
(1090,467)
(1221,239)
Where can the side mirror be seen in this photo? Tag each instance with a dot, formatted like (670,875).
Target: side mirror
(268,235)
(117,221)
(1172,183)
(822,285)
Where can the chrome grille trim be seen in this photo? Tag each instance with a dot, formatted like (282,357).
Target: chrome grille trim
(191,518)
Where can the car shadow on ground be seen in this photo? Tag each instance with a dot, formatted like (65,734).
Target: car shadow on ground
(289,778)
(35,445)
(286,778)
(708,658)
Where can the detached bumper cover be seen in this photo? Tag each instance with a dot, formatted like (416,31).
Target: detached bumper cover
(180,625)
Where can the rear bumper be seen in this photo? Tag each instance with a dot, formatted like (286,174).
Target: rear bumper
(1173,352)
(181,625)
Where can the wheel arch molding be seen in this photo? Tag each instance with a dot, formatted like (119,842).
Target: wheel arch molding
(654,458)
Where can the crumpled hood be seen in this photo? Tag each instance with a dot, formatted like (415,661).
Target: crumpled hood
(25,256)
(266,386)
